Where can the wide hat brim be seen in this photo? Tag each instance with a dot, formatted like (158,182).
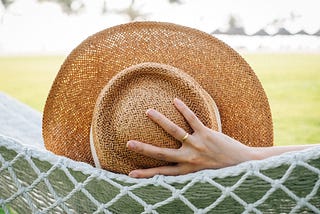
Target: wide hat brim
(221,71)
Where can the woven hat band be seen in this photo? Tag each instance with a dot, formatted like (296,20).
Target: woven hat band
(94,152)
(119,113)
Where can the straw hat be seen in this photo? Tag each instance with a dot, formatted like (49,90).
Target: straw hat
(119,113)
(92,81)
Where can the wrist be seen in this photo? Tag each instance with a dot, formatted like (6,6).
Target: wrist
(254,153)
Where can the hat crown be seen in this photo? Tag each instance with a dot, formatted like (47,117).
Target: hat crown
(120,113)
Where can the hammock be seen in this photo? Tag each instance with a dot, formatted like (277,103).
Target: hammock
(33,180)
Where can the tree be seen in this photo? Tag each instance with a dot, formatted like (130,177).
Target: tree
(76,6)
(68,6)
(278,23)
(6,3)
(234,22)
(132,11)
(176,1)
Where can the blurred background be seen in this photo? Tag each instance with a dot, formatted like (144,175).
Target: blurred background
(279,39)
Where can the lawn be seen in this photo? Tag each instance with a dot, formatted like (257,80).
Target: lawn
(291,81)
(292,84)
(29,78)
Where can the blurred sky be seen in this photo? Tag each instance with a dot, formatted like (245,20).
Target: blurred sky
(32,27)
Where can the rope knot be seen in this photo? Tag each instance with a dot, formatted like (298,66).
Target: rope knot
(124,190)
(276,184)
(6,165)
(254,169)
(148,209)
(22,190)
(176,193)
(249,207)
(157,180)
(26,152)
(302,202)
(44,175)
(227,191)
(200,211)
(79,186)
(100,208)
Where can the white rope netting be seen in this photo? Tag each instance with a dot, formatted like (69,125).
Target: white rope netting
(33,180)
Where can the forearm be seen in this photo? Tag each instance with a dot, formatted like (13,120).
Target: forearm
(259,153)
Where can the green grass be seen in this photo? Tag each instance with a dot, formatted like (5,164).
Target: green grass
(29,78)
(292,84)
(291,81)
(11,211)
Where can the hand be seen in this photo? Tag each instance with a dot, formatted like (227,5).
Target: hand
(203,149)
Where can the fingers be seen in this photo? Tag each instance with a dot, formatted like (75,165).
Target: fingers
(179,156)
(172,129)
(162,170)
(166,154)
(189,115)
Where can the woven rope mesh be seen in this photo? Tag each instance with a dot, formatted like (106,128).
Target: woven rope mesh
(33,180)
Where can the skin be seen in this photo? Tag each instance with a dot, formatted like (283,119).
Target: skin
(203,149)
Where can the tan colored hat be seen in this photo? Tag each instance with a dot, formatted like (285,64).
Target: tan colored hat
(221,72)
(120,113)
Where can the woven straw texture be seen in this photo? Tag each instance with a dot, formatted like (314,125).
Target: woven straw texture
(223,73)
(33,180)
(119,114)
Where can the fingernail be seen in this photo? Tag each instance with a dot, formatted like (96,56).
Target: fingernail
(150,112)
(131,144)
(133,174)
(178,101)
